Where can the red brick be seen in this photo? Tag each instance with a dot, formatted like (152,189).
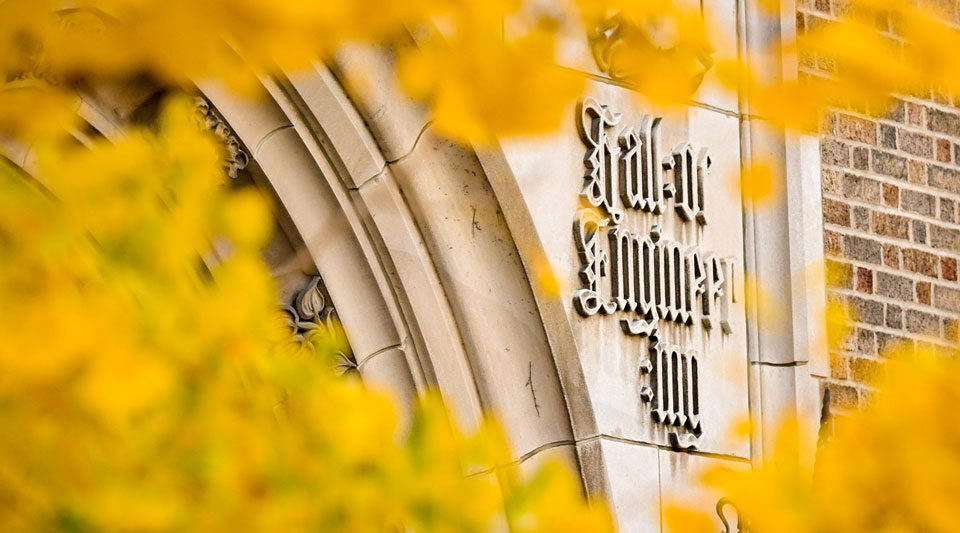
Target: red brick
(832,243)
(860,188)
(832,182)
(915,114)
(920,262)
(864,280)
(943,150)
(944,178)
(923,292)
(835,212)
(891,225)
(917,173)
(891,195)
(891,256)
(948,268)
(856,129)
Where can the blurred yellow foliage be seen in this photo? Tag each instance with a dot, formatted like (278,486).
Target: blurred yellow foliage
(893,467)
(487,68)
(757,182)
(142,389)
(659,47)
(545,278)
(480,86)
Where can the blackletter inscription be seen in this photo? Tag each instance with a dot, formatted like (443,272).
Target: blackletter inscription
(644,278)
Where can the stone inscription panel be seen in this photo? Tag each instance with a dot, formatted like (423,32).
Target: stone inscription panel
(648,279)
(639,215)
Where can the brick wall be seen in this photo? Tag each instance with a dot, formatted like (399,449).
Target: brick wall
(891,196)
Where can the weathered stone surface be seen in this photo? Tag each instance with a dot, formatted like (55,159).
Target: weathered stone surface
(613,361)
(633,479)
(678,476)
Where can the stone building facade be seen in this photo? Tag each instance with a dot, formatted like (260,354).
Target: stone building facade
(429,255)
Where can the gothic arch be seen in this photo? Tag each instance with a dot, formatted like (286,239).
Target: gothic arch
(413,245)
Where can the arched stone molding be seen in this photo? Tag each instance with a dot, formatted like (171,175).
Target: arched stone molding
(384,210)
(315,204)
(466,314)
(383,106)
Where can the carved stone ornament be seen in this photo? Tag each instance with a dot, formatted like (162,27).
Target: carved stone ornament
(237,159)
(309,315)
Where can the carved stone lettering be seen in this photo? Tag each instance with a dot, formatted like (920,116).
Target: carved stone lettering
(600,187)
(645,278)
